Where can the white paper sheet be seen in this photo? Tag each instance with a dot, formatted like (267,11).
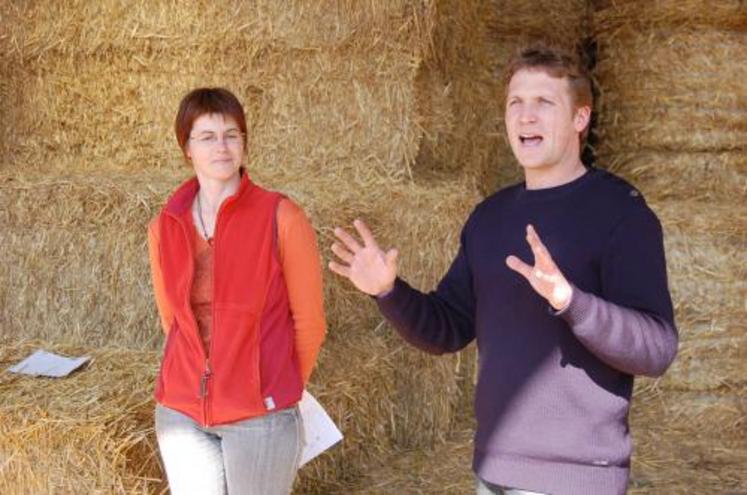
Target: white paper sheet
(43,363)
(320,432)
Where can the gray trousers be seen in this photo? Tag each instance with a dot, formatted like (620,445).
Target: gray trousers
(257,456)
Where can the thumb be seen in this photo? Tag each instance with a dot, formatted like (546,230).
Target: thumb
(391,258)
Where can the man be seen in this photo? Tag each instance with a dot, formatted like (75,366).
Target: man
(559,339)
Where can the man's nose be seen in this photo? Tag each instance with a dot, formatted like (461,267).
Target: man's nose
(528,114)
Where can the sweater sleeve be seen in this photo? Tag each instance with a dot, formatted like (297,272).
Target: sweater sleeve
(437,322)
(299,257)
(165,310)
(631,325)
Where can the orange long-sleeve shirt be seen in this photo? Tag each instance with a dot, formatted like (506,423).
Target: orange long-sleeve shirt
(299,257)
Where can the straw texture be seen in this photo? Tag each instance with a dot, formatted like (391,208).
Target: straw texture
(390,111)
(89,433)
(673,117)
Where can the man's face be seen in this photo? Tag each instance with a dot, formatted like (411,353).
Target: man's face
(542,122)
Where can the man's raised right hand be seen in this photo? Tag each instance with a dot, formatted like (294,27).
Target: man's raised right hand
(371,270)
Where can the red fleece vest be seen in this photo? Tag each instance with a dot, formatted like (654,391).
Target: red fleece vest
(250,367)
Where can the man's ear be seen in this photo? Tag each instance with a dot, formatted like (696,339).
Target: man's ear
(581,118)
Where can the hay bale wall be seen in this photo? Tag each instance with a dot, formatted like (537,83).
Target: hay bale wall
(673,117)
(392,113)
(96,86)
(91,91)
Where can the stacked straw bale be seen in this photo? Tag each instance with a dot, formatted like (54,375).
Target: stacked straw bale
(76,264)
(91,90)
(688,441)
(96,86)
(673,120)
(459,98)
(89,433)
(391,113)
(460,81)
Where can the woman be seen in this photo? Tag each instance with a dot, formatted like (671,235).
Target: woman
(237,283)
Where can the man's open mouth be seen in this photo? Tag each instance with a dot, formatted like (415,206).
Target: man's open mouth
(530,139)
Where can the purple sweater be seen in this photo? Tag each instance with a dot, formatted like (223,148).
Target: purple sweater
(553,389)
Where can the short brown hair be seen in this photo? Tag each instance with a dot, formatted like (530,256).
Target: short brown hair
(201,101)
(556,62)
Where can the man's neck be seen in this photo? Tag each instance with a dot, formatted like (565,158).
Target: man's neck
(553,176)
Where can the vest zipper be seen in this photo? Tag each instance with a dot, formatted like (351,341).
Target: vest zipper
(207,410)
(203,391)
(204,380)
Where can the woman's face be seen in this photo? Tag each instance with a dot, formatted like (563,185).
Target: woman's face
(215,147)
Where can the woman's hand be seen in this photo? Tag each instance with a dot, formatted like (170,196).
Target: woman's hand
(371,270)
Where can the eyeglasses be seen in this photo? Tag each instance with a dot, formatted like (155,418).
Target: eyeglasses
(232,139)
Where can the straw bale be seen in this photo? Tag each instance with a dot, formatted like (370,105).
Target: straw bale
(687,442)
(443,469)
(32,29)
(91,432)
(558,19)
(710,363)
(686,94)
(647,14)
(713,177)
(356,383)
(97,114)
(705,414)
(460,90)
(457,98)
(329,111)
(107,91)
(707,268)
(706,258)
(76,263)
(105,80)
(99,422)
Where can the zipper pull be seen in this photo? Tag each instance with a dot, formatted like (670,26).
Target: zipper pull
(203,381)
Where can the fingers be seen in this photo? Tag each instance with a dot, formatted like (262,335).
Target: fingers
(365,233)
(519,266)
(342,253)
(538,248)
(339,269)
(542,256)
(348,240)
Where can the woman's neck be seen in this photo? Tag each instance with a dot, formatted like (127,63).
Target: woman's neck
(214,192)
